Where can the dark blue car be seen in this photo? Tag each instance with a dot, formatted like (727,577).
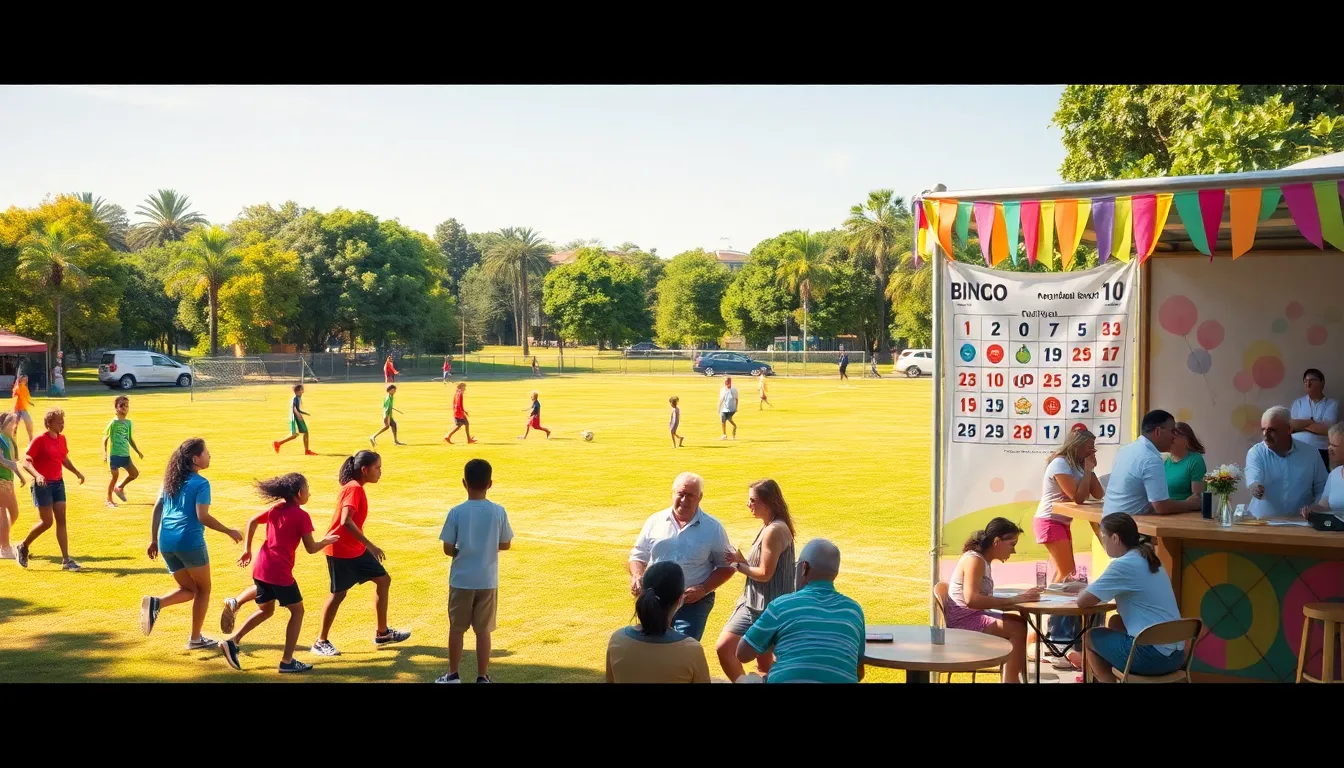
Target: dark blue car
(716,363)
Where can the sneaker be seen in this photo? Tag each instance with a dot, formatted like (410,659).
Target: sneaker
(149,613)
(276,446)
(226,619)
(71,565)
(1061,663)
(21,555)
(230,651)
(293,666)
(121,494)
(472,441)
(725,437)
(391,636)
(110,504)
(325,648)
(484,679)
(448,678)
(6,553)
(309,453)
(204,644)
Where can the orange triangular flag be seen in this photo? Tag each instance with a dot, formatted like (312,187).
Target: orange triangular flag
(1066,221)
(998,237)
(1245,216)
(947,217)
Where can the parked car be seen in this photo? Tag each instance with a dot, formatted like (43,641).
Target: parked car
(715,363)
(642,348)
(128,368)
(915,362)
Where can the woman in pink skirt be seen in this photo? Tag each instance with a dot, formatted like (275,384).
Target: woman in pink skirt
(977,608)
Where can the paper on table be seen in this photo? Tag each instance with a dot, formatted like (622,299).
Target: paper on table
(1301,523)
(1261,509)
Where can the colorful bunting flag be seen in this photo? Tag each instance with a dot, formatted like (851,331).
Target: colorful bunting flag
(998,237)
(1187,207)
(1082,209)
(1124,228)
(947,217)
(1327,205)
(1246,207)
(984,229)
(1269,202)
(1103,223)
(1031,225)
(1012,222)
(930,209)
(1045,251)
(1150,218)
(921,219)
(1211,203)
(1302,205)
(964,223)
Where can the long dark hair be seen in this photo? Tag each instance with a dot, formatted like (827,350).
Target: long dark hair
(998,528)
(353,467)
(769,494)
(1122,525)
(1188,432)
(180,465)
(282,488)
(662,586)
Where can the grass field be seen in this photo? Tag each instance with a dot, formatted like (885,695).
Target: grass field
(853,462)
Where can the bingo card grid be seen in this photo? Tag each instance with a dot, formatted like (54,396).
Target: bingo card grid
(1026,381)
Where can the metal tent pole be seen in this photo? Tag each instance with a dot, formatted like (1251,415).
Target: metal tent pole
(937,633)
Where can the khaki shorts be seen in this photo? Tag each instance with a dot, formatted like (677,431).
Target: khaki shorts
(471,609)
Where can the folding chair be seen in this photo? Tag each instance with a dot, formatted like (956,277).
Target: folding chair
(941,596)
(1180,630)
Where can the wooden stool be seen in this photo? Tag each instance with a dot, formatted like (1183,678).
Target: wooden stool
(1331,615)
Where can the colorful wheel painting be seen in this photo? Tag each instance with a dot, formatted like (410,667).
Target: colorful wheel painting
(1238,606)
(1321,583)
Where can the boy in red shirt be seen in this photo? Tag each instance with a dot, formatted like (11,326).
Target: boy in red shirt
(287,523)
(459,415)
(44,459)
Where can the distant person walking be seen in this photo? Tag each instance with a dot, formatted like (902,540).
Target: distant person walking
(389,372)
(23,400)
(536,369)
(844,363)
(447,368)
(727,408)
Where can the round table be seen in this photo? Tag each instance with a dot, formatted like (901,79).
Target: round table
(914,651)
(1033,613)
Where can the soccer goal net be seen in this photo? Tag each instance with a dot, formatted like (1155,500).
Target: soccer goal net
(244,378)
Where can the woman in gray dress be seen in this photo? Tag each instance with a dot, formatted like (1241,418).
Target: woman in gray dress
(769,569)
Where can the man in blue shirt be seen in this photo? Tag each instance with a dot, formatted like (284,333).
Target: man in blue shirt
(1282,474)
(1138,482)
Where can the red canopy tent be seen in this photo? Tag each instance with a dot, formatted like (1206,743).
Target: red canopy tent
(14,344)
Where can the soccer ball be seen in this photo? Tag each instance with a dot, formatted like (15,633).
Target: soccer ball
(587,436)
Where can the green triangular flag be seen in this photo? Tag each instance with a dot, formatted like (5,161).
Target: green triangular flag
(1269,201)
(963,224)
(1187,206)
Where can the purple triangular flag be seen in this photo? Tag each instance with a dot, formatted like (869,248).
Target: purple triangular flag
(1103,223)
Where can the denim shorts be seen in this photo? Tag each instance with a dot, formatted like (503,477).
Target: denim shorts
(1114,647)
(118,462)
(49,494)
(726,415)
(691,619)
(192,558)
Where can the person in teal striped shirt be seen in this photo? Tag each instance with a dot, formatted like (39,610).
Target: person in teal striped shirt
(818,634)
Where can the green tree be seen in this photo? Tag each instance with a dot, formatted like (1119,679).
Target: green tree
(755,306)
(877,227)
(203,267)
(484,307)
(1137,131)
(257,303)
(804,273)
(51,255)
(517,253)
(847,303)
(458,251)
(169,218)
(113,218)
(690,298)
(911,294)
(596,297)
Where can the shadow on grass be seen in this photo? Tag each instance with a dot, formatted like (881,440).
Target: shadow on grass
(56,559)
(15,608)
(53,657)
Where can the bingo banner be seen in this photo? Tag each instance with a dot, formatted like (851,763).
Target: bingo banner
(1026,358)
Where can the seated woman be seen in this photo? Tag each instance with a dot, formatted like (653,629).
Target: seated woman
(1185,468)
(1141,589)
(653,652)
(1332,498)
(976,608)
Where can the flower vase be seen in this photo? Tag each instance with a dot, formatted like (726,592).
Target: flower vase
(1222,509)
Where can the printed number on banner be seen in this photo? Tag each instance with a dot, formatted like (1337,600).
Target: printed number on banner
(1080,406)
(1022,432)
(1108,405)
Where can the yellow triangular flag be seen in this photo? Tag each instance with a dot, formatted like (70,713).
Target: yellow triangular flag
(1123,229)
(1045,251)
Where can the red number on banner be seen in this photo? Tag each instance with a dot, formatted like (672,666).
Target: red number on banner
(1082,354)
(968,405)
(994,379)
(1021,431)
(968,379)
(968,328)
(1108,405)
(1052,380)
(1110,329)
(1110,354)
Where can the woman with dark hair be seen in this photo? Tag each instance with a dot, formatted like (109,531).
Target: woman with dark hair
(654,652)
(769,569)
(181,516)
(977,608)
(1185,468)
(354,559)
(1141,589)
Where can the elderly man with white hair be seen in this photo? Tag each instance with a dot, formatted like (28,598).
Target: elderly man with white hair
(817,633)
(684,534)
(1283,475)
(1332,499)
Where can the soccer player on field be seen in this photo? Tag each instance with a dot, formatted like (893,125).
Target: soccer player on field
(459,415)
(844,363)
(447,368)
(534,420)
(765,399)
(677,440)
(118,433)
(388,421)
(297,425)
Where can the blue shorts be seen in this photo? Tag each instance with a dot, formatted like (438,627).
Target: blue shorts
(192,558)
(725,416)
(118,462)
(49,494)
(1114,647)
(691,619)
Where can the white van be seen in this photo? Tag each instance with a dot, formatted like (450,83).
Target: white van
(915,362)
(127,368)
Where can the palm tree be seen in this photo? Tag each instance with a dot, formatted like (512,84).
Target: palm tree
(908,283)
(48,254)
(111,216)
(803,272)
(170,218)
(208,261)
(517,252)
(877,227)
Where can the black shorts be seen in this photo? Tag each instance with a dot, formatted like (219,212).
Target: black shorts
(459,422)
(346,572)
(284,595)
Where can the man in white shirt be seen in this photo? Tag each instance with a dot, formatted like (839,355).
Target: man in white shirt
(727,407)
(1314,413)
(1138,481)
(684,534)
(1283,474)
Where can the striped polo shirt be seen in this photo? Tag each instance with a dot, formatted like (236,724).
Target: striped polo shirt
(817,633)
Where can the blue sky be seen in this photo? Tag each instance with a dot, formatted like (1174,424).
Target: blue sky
(662,166)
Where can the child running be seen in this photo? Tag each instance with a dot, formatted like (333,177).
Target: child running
(118,433)
(354,559)
(46,455)
(459,415)
(474,534)
(536,369)
(672,425)
(765,399)
(9,470)
(447,368)
(23,400)
(388,421)
(534,420)
(181,516)
(297,425)
(287,523)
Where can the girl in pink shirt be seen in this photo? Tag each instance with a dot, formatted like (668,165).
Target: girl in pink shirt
(273,570)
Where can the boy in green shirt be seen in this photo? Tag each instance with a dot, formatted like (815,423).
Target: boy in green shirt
(118,433)
(297,426)
(388,421)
